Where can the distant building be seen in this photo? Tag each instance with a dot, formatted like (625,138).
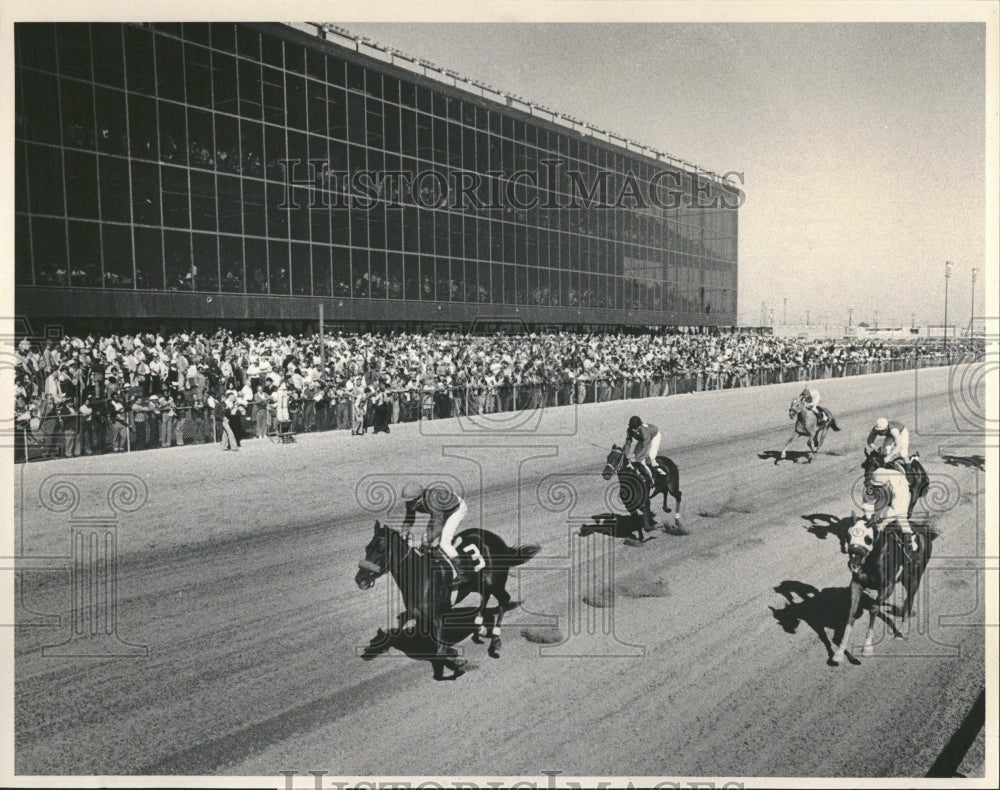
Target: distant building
(197,175)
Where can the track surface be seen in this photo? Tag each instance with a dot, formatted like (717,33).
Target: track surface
(238,576)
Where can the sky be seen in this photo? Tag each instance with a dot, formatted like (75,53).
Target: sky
(862,146)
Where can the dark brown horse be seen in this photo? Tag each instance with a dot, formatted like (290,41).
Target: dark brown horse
(877,563)
(806,424)
(634,486)
(425,583)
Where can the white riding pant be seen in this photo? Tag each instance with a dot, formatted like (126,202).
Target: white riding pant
(448,531)
(648,453)
(893,450)
(897,507)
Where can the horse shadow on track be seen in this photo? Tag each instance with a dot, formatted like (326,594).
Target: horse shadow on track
(822,525)
(459,625)
(618,525)
(822,610)
(790,455)
(970,461)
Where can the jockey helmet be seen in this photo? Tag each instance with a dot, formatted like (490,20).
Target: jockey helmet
(412,491)
(635,422)
(881,424)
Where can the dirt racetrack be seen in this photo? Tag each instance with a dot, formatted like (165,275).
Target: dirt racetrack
(708,657)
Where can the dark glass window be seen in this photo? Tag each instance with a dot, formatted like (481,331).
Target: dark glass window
(248,45)
(295,98)
(273,85)
(205,256)
(319,224)
(317,106)
(251,149)
(377,275)
(223,36)
(224,84)
(175,197)
(359,274)
(48,245)
(376,226)
(173,134)
(340,226)
(77,100)
(230,210)
(35,45)
(112,126)
(169,69)
(177,261)
(394,275)
(73,43)
(277,211)
(277,259)
(203,200)
(40,95)
(139,71)
(109,60)
(341,270)
(116,253)
(81,184)
(23,274)
(355,76)
(322,285)
(85,254)
(148,258)
(145,193)
(227,144)
(201,144)
(198,75)
(373,112)
(255,251)
(408,94)
(295,58)
(316,64)
(336,113)
(335,72)
(231,274)
(114,186)
(250,89)
(356,118)
(45,177)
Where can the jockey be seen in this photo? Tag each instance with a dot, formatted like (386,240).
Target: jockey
(810,399)
(895,488)
(647,439)
(895,442)
(446,510)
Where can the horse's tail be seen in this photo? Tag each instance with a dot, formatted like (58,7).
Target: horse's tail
(833,424)
(517,556)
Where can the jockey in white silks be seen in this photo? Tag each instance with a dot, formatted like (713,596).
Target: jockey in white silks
(895,501)
(895,440)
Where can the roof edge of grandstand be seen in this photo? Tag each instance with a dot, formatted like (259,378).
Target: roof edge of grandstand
(339,36)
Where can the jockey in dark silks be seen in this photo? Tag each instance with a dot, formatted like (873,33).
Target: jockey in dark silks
(895,441)
(446,510)
(647,439)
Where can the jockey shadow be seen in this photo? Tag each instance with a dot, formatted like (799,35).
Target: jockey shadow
(969,461)
(823,525)
(790,455)
(458,625)
(822,610)
(624,526)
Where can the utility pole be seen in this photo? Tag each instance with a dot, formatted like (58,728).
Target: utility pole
(972,309)
(947,276)
(850,316)
(784,311)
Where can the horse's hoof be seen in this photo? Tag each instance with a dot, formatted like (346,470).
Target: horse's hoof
(495,646)
(477,638)
(836,658)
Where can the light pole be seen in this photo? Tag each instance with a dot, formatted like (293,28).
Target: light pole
(972,308)
(947,276)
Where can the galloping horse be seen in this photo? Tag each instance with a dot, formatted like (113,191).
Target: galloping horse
(807,425)
(424,581)
(876,563)
(916,475)
(634,486)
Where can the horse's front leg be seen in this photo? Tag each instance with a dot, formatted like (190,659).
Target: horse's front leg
(845,640)
(790,440)
(443,653)
(868,649)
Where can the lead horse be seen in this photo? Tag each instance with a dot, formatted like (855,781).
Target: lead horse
(915,474)
(806,424)
(425,583)
(877,563)
(634,486)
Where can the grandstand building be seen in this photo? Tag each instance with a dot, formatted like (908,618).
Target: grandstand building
(243,175)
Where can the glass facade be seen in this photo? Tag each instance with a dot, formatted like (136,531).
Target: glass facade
(243,159)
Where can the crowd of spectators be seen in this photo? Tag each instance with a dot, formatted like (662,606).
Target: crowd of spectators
(92,394)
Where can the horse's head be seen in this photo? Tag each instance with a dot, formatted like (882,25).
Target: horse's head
(873,460)
(794,408)
(376,561)
(861,541)
(614,462)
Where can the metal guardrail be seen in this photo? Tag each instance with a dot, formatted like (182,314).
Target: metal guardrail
(70,435)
